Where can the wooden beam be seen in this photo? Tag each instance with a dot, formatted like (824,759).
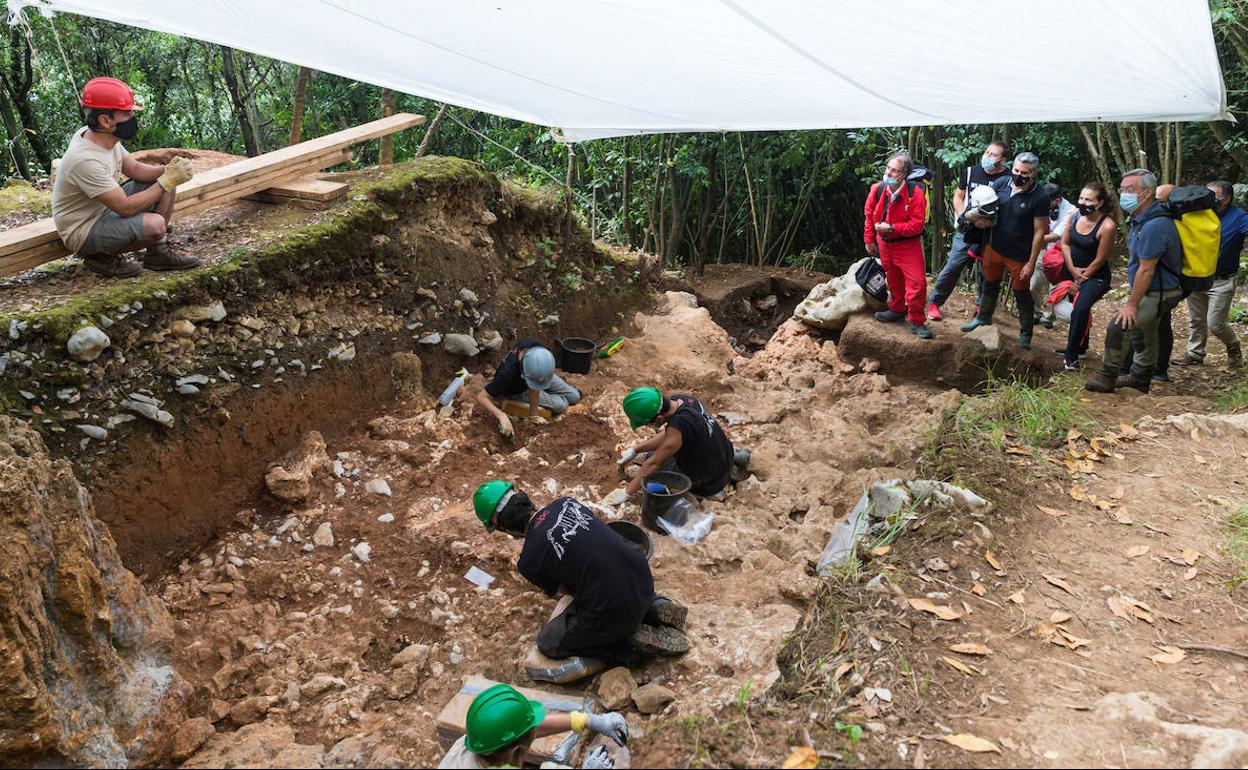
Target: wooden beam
(308,188)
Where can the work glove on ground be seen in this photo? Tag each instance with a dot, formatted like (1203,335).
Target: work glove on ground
(615,497)
(505,427)
(598,759)
(612,724)
(177,171)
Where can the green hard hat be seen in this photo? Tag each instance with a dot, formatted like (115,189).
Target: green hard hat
(485,500)
(642,406)
(499,716)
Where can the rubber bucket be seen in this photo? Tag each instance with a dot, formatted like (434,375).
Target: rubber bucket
(633,534)
(656,505)
(578,354)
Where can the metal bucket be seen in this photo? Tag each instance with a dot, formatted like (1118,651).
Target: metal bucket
(633,534)
(577,354)
(663,505)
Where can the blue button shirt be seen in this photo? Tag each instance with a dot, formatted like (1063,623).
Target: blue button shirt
(1154,237)
(1234,229)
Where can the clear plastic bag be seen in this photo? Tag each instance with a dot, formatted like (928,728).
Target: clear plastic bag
(694,526)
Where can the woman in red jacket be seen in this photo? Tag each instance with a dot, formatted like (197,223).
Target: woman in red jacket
(893,228)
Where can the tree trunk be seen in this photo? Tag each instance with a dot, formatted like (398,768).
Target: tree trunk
(244,101)
(1178,153)
(1096,151)
(676,227)
(626,194)
(424,140)
(706,221)
(385,153)
(17,83)
(1237,153)
(16,152)
(567,201)
(296,112)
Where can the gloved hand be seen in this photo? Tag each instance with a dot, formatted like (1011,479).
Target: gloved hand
(627,456)
(177,171)
(598,759)
(616,497)
(537,419)
(612,724)
(506,428)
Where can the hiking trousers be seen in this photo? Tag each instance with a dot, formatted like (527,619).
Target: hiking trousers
(1209,311)
(1142,337)
(1081,317)
(959,258)
(905,271)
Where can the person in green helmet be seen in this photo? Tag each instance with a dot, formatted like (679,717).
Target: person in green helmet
(690,440)
(613,613)
(502,724)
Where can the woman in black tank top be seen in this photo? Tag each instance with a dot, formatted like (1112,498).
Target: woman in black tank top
(1085,247)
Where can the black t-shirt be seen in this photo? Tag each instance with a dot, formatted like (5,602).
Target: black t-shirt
(608,576)
(705,453)
(978,176)
(508,379)
(1016,215)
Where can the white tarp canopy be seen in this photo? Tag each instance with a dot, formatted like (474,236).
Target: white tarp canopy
(598,68)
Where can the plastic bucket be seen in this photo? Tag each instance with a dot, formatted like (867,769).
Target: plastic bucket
(578,354)
(633,534)
(657,505)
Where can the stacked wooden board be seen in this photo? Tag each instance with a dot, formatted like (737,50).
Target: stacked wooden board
(306,192)
(22,248)
(451,722)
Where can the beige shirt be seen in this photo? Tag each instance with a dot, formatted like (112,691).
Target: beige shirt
(460,758)
(85,172)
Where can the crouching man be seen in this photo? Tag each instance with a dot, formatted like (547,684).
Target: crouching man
(528,372)
(502,724)
(608,609)
(100,220)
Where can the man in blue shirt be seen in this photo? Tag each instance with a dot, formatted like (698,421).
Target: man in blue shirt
(1208,310)
(1153,240)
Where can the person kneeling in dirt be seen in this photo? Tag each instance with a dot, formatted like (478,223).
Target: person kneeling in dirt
(100,220)
(691,441)
(608,610)
(527,370)
(502,724)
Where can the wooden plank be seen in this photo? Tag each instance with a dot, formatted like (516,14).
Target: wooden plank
(12,265)
(278,200)
(308,188)
(254,186)
(260,180)
(454,715)
(294,160)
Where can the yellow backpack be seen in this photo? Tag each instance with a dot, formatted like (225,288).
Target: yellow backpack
(1200,232)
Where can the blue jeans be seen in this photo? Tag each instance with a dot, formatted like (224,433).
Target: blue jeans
(952,271)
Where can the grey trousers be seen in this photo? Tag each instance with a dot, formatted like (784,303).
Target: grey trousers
(1040,289)
(1142,338)
(1208,311)
(558,396)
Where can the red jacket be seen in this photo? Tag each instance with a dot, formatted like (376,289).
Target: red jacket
(906,212)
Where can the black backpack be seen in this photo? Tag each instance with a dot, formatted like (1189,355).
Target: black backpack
(1185,200)
(870,277)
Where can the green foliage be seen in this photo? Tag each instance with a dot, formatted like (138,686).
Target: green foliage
(1039,415)
(851,731)
(743,695)
(1235,544)
(571,281)
(1234,398)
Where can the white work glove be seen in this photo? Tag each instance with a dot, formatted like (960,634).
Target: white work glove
(505,427)
(598,759)
(616,497)
(612,724)
(177,171)
(627,456)
(537,419)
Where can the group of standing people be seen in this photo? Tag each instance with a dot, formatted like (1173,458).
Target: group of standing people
(1008,219)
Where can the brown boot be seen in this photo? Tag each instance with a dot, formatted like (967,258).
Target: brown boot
(1235,357)
(161,257)
(112,267)
(1100,383)
(1133,380)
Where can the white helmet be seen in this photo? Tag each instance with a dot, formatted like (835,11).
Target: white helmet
(539,367)
(983,202)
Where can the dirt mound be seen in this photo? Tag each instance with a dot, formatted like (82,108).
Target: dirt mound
(201,160)
(86,652)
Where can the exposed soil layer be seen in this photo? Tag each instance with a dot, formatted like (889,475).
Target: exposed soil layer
(750,302)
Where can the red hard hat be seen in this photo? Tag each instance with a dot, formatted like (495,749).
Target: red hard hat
(108,94)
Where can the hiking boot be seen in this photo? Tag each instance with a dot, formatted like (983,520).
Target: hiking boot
(1187,359)
(1100,383)
(1161,377)
(161,257)
(665,612)
(1235,357)
(921,331)
(112,267)
(1024,340)
(741,458)
(659,640)
(983,315)
(1046,322)
(889,316)
(933,313)
(1133,381)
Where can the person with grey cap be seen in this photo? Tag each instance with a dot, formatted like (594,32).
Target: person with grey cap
(528,372)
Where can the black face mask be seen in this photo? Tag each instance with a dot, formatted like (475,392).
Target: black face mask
(1086,208)
(1022,181)
(127,129)
(1053,214)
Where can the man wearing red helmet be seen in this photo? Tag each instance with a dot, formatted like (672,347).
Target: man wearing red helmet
(101,220)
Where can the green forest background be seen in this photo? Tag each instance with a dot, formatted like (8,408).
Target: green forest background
(775,198)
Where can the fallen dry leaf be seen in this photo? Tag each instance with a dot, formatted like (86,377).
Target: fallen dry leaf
(1195,434)
(881,550)
(1127,431)
(1069,640)
(1054,512)
(1104,505)
(1169,656)
(939,610)
(1118,492)
(802,758)
(841,671)
(958,665)
(968,742)
(970,648)
(1118,608)
(1057,581)
(1017,597)
(1191,573)
(978,589)
(1200,459)
(1122,517)
(1078,493)
(1019,450)
(1137,550)
(1059,617)
(1190,555)
(993,561)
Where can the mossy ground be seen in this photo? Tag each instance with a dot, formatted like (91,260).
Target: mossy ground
(19,197)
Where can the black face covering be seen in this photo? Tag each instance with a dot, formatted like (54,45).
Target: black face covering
(1086,208)
(1022,181)
(1053,214)
(127,129)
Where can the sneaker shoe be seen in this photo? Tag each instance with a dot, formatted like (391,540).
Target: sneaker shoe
(665,612)
(1187,359)
(1070,366)
(933,312)
(921,331)
(112,267)
(889,316)
(161,257)
(1161,377)
(659,640)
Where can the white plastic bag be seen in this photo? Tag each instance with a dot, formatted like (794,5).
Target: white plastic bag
(697,524)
